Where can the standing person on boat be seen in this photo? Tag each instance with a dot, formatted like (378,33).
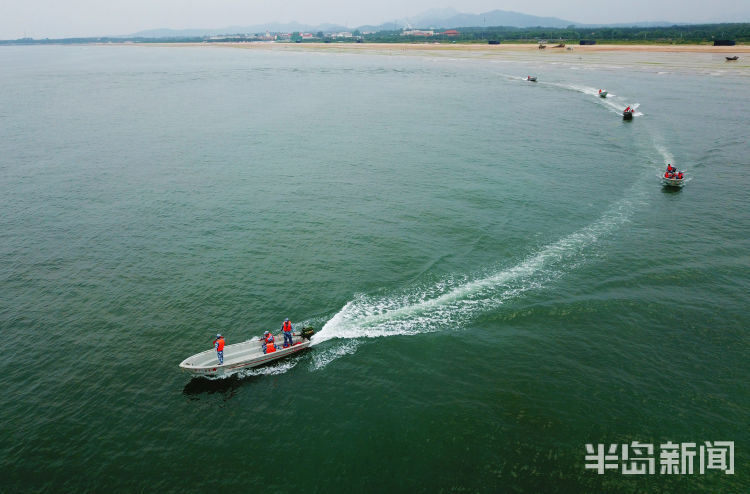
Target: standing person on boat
(288,331)
(219,346)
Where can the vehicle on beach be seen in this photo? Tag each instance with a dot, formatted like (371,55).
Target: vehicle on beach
(731,59)
(244,355)
(531,78)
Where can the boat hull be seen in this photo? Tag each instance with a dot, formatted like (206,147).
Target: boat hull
(603,94)
(240,356)
(673,182)
(628,115)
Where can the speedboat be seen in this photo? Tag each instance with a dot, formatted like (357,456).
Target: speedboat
(732,58)
(628,114)
(672,182)
(245,355)
(531,78)
(603,93)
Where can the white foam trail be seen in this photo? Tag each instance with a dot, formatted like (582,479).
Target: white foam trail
(664,152)
(271,370)
(453,303)
(611,101)
(323,357)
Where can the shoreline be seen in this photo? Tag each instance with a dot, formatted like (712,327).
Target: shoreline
(474,47)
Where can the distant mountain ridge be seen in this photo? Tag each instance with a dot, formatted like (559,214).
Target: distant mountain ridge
(445,18)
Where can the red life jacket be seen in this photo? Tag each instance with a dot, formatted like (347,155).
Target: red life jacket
(287,326)
(220,347)
(666,174)
(270,348)
(680,175)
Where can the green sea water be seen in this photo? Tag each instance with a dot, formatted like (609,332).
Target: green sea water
(495,273)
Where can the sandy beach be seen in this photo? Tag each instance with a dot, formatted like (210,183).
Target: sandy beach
(480,48)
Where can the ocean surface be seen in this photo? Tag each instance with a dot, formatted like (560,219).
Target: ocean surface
(496,276)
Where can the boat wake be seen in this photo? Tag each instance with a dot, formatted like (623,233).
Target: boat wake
(454,302)
(612,101)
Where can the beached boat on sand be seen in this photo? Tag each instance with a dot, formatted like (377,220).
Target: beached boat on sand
(730,59)
(245,355)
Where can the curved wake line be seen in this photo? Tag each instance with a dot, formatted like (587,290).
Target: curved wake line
(589,91)
(455,303)
(451,304)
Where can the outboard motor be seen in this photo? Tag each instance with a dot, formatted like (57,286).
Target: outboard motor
(307,332)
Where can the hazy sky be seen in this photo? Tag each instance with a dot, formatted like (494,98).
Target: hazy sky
(66,18)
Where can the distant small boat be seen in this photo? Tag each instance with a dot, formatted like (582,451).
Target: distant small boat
(603,93)
(628,114)
(531,78)
(732,58)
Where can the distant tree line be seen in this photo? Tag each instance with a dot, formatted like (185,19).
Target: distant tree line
(688,34)
(705,33)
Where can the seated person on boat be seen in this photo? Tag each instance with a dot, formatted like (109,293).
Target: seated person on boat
(268,343)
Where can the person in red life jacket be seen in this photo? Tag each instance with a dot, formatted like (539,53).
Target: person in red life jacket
(680,175)
(288,331)
(268,339)
(666,174)
(268,343)
(627,109)
(219,346)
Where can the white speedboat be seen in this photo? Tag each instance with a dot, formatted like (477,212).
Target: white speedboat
(602,93)
(672,182)
(245,355)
